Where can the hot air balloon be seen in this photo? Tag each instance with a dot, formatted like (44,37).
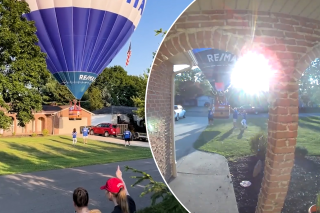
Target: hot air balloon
(81,37)
(216,65)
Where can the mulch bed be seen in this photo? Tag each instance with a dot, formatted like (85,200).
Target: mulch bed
(303,188)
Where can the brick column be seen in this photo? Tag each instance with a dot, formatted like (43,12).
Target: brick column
(282,133)
(159,116)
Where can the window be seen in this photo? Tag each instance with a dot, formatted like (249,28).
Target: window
(175,107)
(99,125)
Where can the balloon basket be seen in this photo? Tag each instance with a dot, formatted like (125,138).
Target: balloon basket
(75,111)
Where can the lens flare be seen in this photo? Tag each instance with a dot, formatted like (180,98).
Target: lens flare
(252,73)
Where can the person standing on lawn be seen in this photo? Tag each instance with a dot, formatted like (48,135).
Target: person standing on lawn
(210,116)
(81,201)
(85,132)
(127,137)
(235,117)
(244,119)
(74,136)
(116,191)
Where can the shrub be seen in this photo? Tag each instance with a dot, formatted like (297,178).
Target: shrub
(159,190)
(258,144)
(301,152)
(34,135)
(13,133)
(45,132)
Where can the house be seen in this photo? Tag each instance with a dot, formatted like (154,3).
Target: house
(53,118)
(115,115)
(203,100)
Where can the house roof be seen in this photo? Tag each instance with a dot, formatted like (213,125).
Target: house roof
(50,109)
(115,110)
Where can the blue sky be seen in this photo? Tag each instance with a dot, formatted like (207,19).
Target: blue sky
(157,14)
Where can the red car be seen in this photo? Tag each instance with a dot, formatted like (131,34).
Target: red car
(105,129)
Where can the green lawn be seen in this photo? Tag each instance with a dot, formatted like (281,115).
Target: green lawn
(222,139)
(28,154)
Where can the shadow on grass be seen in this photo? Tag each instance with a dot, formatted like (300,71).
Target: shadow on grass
(226,135)
(309,126)
(26,149)
(14,164)
(261,122)
(205,137)
(240,134)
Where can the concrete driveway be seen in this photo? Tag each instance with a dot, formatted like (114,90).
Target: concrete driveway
(51,191)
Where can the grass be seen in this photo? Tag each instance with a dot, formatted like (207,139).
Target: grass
(29,154)
(222,139)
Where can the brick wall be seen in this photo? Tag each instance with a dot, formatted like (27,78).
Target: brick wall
(158,110)
(290,41)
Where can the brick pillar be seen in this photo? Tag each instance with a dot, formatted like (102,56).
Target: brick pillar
(159,109)
(282,134)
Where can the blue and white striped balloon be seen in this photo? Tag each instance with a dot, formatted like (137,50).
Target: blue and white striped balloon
(81,37)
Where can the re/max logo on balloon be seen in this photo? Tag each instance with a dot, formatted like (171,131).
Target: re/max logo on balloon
(135,5)
(87,78)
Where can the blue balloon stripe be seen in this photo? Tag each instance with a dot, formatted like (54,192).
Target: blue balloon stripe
(110,55)
(80,30)
(50,31)
(44,40)
(113,43)
(104,32)
(64,20)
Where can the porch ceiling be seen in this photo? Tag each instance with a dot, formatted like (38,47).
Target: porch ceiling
(303,8)
(181,58)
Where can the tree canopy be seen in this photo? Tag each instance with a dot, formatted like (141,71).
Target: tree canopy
(22,64)
(309,84)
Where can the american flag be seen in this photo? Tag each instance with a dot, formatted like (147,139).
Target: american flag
(128,55)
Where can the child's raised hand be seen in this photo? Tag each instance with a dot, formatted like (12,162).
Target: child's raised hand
(119,173)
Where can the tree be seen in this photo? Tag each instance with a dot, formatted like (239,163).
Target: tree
(139,101)
(191,84)
(22,64)
(95,98)
(52,91)
(119,87)
(309,83)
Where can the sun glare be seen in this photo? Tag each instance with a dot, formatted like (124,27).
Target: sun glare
(252,73)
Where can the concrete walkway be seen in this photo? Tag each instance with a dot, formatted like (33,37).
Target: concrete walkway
(51,191)
(203,184)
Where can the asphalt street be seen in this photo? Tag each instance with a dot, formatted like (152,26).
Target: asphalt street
(51,191)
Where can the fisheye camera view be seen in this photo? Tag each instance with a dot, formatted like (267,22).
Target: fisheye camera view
(233,106)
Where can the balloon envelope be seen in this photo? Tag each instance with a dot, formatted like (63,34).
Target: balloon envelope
(81,37)
(216,65)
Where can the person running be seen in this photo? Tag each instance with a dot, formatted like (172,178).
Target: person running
(85,132)
(235,117)
(74,136)
(81,201)
(244,119)
(127,137)
(210,116)
(116,191)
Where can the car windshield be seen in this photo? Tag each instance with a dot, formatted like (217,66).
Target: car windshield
(175,107)
(114,126)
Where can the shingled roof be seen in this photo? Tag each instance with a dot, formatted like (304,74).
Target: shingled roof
(48,109)
(115,110)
